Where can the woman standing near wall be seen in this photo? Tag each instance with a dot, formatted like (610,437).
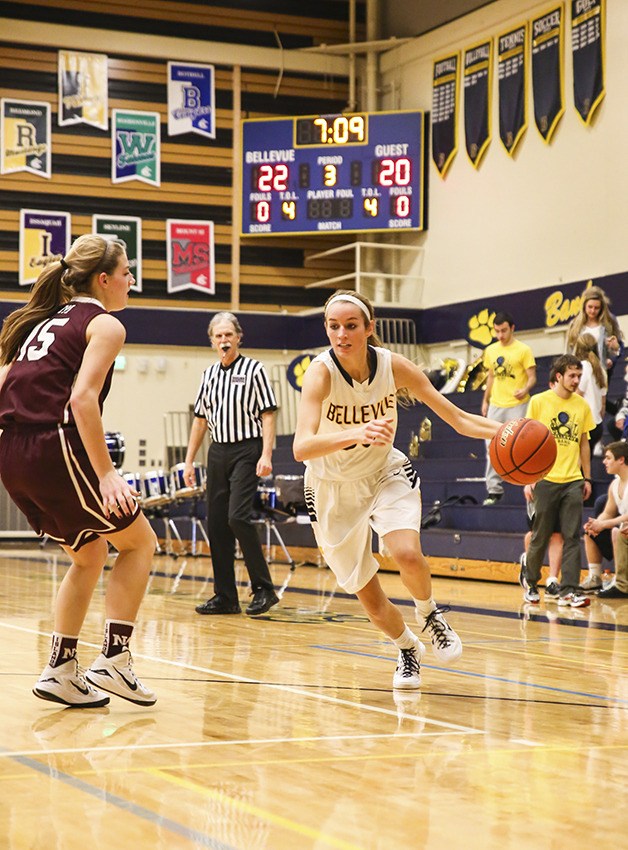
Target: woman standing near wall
(595,318)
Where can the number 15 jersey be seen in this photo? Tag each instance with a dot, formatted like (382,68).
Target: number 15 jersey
(38,386)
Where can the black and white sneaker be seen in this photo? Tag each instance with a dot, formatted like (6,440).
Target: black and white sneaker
(67,685)
(408,673)
(446,645)
(552,591)
(115,675)
(530,592)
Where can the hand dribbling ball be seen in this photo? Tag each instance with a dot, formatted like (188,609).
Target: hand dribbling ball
(523,451)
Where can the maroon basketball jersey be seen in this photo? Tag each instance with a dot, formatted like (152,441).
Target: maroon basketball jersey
(37,388)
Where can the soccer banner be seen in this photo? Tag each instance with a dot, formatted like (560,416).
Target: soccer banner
(191,100)
(477,100)
(511,82)
(26,139)
(444,112)
(135,147)
(127,229)
(83,89)
(587,45)
(547,70)
(44,238)
(190,253)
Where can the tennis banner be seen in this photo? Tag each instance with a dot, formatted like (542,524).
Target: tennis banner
(190,255)
(83,89)
(587,46)
(444,111)
(511,84)
(477,100)
(547,70)
(127,229)
(191,100)
(44,238)
(26,139)
(135,147)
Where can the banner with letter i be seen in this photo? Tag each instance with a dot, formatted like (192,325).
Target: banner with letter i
(190,255)
(477,100)
(587,46)
(547,70)
(191,100)
(83,89)
(127,229)
(135,147)
(511,83)
(44,238)
(444,111)
(26,139)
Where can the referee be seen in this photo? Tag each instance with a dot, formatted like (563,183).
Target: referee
(236,402)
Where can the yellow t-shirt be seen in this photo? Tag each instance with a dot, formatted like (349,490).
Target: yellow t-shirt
(508,364)
(567,419)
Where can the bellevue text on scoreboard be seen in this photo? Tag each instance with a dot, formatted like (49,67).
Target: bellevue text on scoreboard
(325,173)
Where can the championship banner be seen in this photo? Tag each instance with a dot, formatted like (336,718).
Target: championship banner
(477,100)
(547,70)
(135,147)
(127,229)
(44,238)
(511,82)
(83,89)
(190,255)
(26,139)
(191,100)
(444,112)
(588,18)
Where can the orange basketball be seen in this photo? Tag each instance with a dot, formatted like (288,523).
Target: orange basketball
(522,451)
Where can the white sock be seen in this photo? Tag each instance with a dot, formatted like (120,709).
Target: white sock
(406,640)
(551,580)
(425,606)
(595,569)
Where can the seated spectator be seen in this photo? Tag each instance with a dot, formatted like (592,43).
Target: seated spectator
(607,530)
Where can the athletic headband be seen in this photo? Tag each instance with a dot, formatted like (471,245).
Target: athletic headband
(353,300)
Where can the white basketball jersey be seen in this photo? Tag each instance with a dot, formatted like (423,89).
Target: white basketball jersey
(350,404)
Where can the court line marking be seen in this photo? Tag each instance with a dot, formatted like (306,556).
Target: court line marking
(272,686)
(158,820)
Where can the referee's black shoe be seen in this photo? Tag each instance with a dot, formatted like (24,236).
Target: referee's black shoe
(263,600)
(218,605)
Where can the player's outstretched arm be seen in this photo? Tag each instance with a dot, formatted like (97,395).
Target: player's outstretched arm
(410,376)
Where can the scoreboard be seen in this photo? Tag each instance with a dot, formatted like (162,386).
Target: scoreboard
(324,173)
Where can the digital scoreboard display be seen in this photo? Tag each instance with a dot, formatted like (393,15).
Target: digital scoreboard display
(324,173)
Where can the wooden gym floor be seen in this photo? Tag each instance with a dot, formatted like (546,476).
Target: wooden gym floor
(283,733)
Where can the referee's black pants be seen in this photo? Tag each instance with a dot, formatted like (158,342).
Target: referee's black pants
(231,488)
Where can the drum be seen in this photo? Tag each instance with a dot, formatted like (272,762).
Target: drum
(265,498)
(133,479)
(154,488)
(290,494)
(115,447)
(180,489)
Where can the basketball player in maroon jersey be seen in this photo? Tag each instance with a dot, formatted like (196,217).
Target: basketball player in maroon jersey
(56,363)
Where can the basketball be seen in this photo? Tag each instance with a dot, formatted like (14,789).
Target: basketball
(523,451)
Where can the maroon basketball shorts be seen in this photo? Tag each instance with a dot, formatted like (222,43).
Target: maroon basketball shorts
(49,477)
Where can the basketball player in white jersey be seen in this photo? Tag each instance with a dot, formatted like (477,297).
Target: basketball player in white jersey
(357,482)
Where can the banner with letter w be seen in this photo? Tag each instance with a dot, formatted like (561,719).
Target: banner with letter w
(135,147)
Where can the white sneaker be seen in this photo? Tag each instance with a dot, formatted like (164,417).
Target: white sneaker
(408,673)
(446,645)
(591,583)
(66,684)
(116,676)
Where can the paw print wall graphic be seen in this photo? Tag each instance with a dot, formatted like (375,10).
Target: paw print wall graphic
(481,328)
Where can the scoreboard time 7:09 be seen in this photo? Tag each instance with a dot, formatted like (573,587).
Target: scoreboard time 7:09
(323,173)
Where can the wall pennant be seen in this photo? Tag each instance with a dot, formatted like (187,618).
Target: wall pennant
(135,147)
(83,89)
(191,100)
(445,111)
(26,138)
(547,70)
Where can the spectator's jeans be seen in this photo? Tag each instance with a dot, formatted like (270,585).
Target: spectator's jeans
(556,507)
(494,483)
(621,563)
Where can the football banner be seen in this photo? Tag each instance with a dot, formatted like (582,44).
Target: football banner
(83,89)
(127,229)
(511,83)
(135,147)
(587,46)
(191,100)
(477,100)
(190,255)
(44,238)
(547,70)
(26,139)
(444,111)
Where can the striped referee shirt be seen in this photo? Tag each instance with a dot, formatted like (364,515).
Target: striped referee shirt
(233,398)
